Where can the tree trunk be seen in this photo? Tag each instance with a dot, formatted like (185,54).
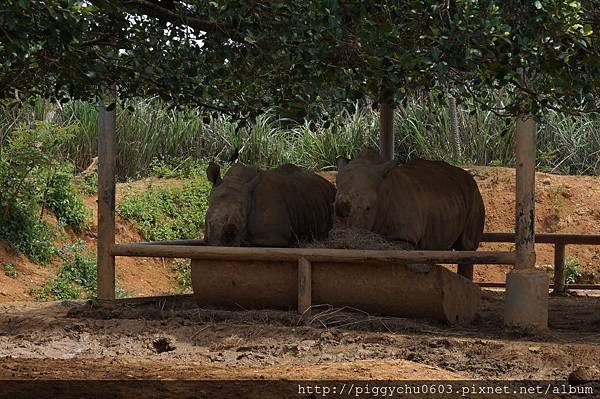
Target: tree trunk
(454,130)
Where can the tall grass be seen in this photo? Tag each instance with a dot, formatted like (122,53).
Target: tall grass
(148,130)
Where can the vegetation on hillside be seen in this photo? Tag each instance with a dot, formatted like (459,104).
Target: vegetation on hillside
(168,212)
(76,277)
(34,178)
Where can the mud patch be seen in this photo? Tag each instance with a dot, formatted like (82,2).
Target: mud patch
(163,344)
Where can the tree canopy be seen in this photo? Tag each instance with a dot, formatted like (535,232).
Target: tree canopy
(242,56)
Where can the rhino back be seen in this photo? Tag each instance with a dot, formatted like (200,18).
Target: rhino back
(290,204)
(426,203)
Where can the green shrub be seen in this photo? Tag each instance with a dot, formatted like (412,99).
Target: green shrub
(28,157)
(61,197)
(168,213)
(23,229)
(183,273)
(76,277)
(10,270)
(177,168)
(89,184)
(572,270)
(163,169)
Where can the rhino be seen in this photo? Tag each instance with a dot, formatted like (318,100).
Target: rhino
(421,205)
(276,208)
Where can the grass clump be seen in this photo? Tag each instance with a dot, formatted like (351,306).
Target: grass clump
(62,198)
(168,213)
(557,199)
(572,270)
(10,270)
(76,277)
(183,273)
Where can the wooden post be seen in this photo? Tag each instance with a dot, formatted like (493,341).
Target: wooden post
(304,286)
(106,201)
(559,268)
(526,304)
(525,193)
(386,131)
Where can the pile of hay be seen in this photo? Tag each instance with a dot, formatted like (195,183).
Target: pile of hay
(349,238)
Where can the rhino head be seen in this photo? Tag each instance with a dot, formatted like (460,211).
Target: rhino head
(358,184)
(229,204)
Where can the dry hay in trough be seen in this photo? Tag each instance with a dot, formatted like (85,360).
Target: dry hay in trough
(351,238)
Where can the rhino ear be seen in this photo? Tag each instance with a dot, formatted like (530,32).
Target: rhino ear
(387,167)
(213,173)
(342,163)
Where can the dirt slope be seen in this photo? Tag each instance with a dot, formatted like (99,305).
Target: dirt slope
(564,204)
(136,276)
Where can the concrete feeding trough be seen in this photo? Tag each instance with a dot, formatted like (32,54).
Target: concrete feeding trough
(423,291)
(388,282)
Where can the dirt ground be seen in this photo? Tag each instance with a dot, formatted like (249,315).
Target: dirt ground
(177,339)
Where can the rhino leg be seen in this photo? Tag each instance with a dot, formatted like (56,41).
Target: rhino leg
(465,244)
(466,270)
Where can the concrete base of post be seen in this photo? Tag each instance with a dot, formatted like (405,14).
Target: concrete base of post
(526,300)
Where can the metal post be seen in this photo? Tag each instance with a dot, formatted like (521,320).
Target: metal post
(386,131)
(559,268)
(526,288)
(106,201)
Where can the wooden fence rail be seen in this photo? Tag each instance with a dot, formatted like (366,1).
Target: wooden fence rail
(557,239)
(311,254)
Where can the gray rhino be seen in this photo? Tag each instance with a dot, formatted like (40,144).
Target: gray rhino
(278,207)
(425,205)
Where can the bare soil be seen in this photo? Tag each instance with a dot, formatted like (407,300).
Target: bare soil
(176,339)
(564,204)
